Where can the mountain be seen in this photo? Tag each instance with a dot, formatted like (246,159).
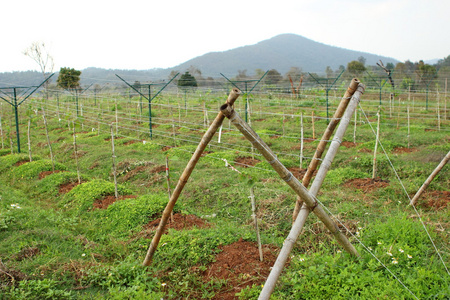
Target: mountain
(281,53)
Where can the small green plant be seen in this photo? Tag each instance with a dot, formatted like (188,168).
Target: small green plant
(128,214)
(32,169)
(38,290)
(83,196)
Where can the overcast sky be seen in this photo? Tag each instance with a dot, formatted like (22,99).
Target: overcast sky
(146,34)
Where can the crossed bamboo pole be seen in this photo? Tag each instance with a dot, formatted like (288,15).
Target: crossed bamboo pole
(234,94)
(324,140)
(287,176)
(305,209)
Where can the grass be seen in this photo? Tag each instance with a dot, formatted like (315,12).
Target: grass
(56,246)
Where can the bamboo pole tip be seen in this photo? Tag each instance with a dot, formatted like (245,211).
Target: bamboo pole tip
(234,94)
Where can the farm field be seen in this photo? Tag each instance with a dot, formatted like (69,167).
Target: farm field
(65,235)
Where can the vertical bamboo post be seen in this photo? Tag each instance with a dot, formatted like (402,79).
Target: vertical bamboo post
(168,185)
(438,110)
(29,140)
(313,127)
(301,140)
(305,210)
(75,152)
(255,220)
(430,178)
(117,118)
(445,100)
(113,156)
(1,132)
(326,136)
(234,94)
(409,127)
(48,139)
(391,103)
(354,128)
(374,171)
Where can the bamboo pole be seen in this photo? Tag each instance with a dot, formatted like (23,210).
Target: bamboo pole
(430,178)
(75,151)
(374,170)
(313,127)
(234,94)
(168,185)
(304,211)
(113,156)
(301,140)
(48,140)
(255,220)
(354,128)
(326,136)
(409,126)
(1,132)
(29,140)
(287,176)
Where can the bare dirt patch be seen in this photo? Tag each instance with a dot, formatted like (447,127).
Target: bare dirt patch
(367,184)
(180,222)
(19,163)
(400,150)
(298,172)
(46,173)
(434,199)
(347,144)
(245,162)
(108,200)
(240,265)
(132,142)
(67,187)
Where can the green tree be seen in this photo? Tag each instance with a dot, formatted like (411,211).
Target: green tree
(273,77)
(356,67)
(69,78)
(187,80)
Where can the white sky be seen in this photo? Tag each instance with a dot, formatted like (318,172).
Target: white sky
(145,34)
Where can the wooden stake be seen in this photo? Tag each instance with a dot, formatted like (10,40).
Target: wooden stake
(445,100)
(48,139)
(29,140)
(234,94)
(312,124)
(407,113)
(75,152)
(168,185)
(430,178)
(374,173)
(354,128)
(113,156)
(1,132)
(255,220)
(438,111)
(301,140)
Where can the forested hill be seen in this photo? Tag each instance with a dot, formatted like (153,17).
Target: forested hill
(280,52)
